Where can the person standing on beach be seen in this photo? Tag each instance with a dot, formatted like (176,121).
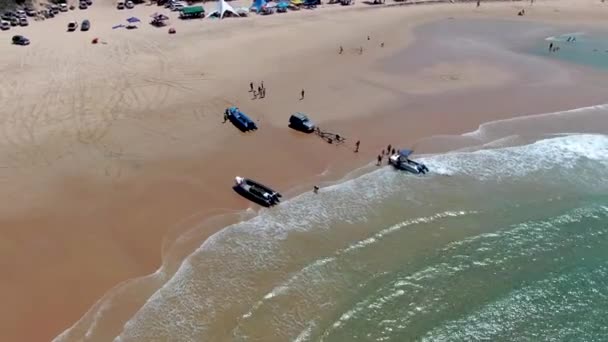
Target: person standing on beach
(251,87)
(550,47)
(379,160)
(341,50)
(357,146)
(388,149)
(478,3)
(382,44)
(302,94)
(367,37)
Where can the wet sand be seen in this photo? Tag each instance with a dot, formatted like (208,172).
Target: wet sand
(111,152)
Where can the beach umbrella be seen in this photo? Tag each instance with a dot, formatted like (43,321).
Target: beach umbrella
(133,20)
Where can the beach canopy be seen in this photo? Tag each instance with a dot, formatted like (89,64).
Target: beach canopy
(405,153)
(258,4)
(297,2)
(283,4)
(133,20)
(222,8)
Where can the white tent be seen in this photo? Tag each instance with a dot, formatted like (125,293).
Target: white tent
(222,8)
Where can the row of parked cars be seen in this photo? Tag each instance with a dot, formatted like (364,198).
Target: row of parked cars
(16,18)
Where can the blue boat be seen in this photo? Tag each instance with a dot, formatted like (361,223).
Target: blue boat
(239,119)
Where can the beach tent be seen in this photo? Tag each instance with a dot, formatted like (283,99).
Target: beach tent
(258,4)
(283,5)
(222,8)
(297,2)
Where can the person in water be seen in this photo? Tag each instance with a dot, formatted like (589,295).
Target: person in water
(315,189)
(357,146)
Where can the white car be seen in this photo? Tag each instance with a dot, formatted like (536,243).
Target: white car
(20,13)
(23,22)
(177,6)
(63,7)
(5,25)
(129,4)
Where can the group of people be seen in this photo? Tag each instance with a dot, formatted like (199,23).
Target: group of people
(341,49)
(260,93)
(390,150)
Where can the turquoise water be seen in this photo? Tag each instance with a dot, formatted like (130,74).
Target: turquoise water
(498,244)
(584,48)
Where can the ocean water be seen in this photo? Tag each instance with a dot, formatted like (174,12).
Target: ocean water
(506,242)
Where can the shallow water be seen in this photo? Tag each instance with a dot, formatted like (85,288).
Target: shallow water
(499,244)
(585,48)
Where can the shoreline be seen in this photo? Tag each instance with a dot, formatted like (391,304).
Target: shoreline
(116,196)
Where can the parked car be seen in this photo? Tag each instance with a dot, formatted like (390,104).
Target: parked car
(5,25)
(89,2)
(301,122)
(120,5)
(20,13)
(20,40)
(14,21)
(85,26)
(72,26)
(23,22)
(129,4)
(83,5)
(63,7)
(30,12)
(177,6)
(169,3)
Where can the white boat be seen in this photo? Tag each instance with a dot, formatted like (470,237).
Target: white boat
(401,161)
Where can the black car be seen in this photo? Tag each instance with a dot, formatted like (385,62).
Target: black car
(83,5)
(301,122)
(20,40)
(85,26)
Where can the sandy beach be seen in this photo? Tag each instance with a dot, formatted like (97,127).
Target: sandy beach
(114,159)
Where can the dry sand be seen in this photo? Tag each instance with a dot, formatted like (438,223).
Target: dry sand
(108,152)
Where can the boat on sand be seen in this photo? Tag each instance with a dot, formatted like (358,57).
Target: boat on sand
(239,119)
(256,192)
(401,161)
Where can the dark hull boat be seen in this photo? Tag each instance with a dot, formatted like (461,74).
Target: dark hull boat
(256,192)
(240,120)
(401,161)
